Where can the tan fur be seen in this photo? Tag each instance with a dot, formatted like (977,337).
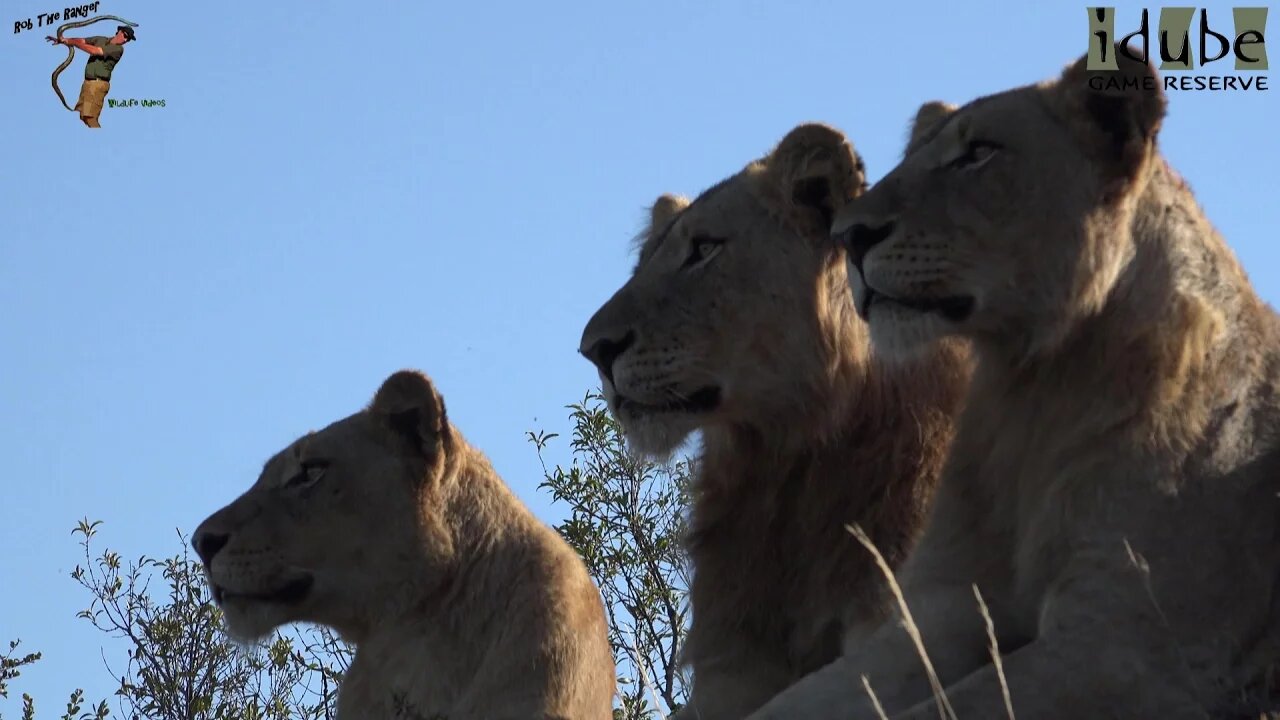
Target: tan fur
(928,117)
(460,603)
(810,433)
(1112,487)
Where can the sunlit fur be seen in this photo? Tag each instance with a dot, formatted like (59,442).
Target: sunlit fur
(1112,486)
(812,433)
(458,600)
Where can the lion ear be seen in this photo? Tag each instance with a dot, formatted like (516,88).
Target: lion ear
(1116,112)
(664,210)
(408,405)
(811,174)
(928,118)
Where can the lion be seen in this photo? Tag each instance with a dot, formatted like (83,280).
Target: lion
(1111,490)
(388,527)
(737,321)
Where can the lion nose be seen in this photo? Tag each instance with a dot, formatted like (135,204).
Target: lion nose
(605,351)
(860,238)
(207,544)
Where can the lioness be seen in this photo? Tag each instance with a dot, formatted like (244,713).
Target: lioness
(388,527)
(1112,487)
(738,321)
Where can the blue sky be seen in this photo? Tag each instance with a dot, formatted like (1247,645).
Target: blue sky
(334,191)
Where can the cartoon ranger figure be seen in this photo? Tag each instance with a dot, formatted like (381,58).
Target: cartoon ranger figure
(104,53)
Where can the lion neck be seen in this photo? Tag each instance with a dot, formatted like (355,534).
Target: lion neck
(475,539)
(861,394)
(1180,321)
(840,402)
(862,429)
(866,449)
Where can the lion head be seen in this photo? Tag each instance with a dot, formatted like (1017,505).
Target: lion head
(1007,218)
(738,301)
(311,540)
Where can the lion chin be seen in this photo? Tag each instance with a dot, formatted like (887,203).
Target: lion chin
(252,616)
(902,334)
(248,622)
(655,434)
(902,331)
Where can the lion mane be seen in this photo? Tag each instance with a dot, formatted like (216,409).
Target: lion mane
(737,322)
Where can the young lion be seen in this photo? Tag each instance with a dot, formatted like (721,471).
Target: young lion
(1112,487)
(738,321)
(388,527)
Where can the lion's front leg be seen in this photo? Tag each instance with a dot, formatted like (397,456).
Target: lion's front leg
(1101,649)
(833,690)
(953,635)
(730,691)
(733,674)
(1067,678)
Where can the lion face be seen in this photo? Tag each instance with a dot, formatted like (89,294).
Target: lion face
(1001,222)
(308,541)
(726,308)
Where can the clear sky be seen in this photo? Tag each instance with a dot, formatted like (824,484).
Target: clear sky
(336,190)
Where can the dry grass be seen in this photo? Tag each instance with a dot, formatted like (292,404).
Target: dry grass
(945,711)
(874,700)
(994,647)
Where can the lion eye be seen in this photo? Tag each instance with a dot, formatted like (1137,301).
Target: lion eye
(976,154)
(703,249)
(310,472)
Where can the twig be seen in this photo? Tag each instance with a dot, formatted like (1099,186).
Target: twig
(644,678)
